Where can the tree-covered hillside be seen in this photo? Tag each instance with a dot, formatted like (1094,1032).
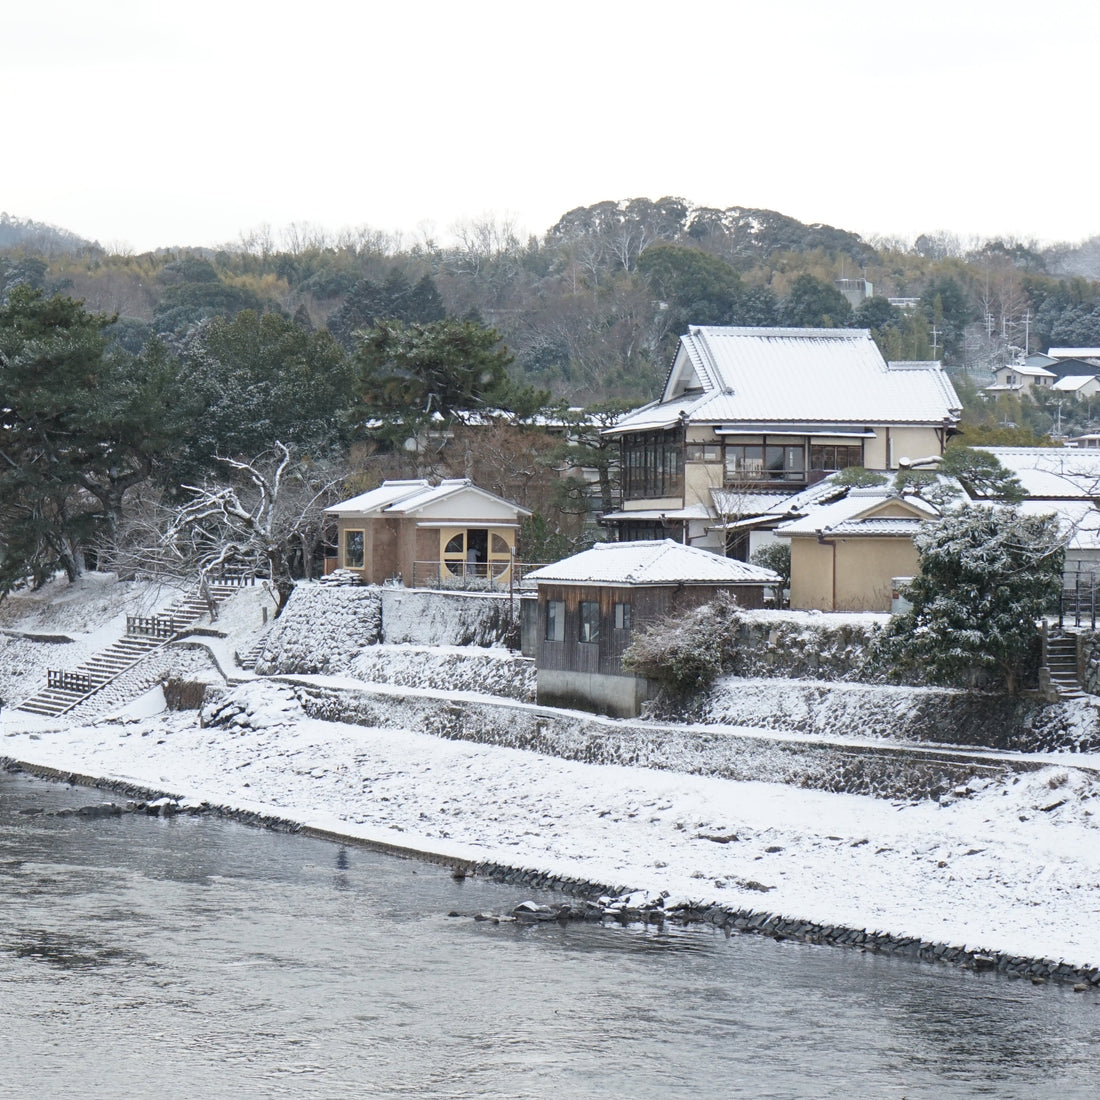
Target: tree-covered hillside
(592,309)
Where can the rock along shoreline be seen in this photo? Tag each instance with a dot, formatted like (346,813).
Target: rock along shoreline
(603,901)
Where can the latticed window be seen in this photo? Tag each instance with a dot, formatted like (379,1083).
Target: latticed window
(652,465)
(829,456)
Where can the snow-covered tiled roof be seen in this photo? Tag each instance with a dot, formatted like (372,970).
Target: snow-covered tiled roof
(1073,353)
(855,513)
(1080,520)
(802,376)
(1053,473)
(656,563)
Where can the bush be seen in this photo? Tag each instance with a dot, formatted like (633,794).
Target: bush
(686,652)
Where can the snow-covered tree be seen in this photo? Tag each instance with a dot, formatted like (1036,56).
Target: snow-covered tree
(270,517)
(986,575)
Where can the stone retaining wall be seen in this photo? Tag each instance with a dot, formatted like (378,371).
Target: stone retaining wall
(878,770)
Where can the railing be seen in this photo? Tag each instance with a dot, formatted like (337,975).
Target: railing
(233,579)
(152,626)
(494,576)
(68,681)
(1078,600)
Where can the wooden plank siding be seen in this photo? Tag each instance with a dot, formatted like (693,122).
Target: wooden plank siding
(647,603)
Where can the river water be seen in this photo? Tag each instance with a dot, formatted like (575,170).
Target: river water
(142,957)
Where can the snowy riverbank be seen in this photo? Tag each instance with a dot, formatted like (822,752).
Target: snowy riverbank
(1011,866)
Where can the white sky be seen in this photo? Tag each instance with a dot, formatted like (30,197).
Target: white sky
(142,125)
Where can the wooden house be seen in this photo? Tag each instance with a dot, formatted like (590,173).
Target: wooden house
(423,534)
(590,605)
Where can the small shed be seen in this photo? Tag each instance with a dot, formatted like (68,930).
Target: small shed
(428,534)
(589,606)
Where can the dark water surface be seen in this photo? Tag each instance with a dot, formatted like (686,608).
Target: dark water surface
(150,958)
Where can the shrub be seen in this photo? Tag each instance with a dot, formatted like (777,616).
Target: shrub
(686,652)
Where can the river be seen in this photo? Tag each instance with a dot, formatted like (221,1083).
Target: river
(147,957)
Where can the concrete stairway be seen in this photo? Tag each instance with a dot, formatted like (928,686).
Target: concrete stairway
(65,689)
(1062,665)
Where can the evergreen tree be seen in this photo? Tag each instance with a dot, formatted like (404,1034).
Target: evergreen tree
(987,574)
(81,424)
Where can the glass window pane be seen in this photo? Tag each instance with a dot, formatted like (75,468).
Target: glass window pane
(353,549)
(589,621)
(555,621)
(456,545)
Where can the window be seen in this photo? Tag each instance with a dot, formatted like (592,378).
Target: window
(589,621)
(353,549)
(828,456)
(644,531)
(622,616)
(652,465)
(555,620)
(703,452)
(757,462)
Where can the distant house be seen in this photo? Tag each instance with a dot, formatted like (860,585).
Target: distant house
(1083,386)
(419,533)
(845,555)
(752,411)
(1020,378)
(590,605)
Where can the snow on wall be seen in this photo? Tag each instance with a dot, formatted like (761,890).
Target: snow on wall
(423,617)
(326,628)
(873,769)
(322,628)
(492,672)
(899,714)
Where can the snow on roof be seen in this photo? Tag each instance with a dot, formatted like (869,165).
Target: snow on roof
(409,497)
(665,562)
(692,511)
(849,515)
(809,377)
(1074,353)
(376,500)
(1073,382)
(1078,519)
(1027,371)
(1052,473)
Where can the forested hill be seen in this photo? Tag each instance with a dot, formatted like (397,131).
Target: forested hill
(591,309)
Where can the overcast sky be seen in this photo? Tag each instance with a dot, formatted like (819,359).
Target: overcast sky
(141,125)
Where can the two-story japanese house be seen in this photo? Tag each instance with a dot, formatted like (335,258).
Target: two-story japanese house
(749,416)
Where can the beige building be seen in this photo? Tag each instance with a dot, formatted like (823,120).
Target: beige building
(419,533)
(748,415)
(846,555)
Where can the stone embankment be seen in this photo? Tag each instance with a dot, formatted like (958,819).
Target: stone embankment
(593,901)
(882,770)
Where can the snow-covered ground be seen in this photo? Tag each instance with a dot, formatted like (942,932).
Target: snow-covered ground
(1012,866)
